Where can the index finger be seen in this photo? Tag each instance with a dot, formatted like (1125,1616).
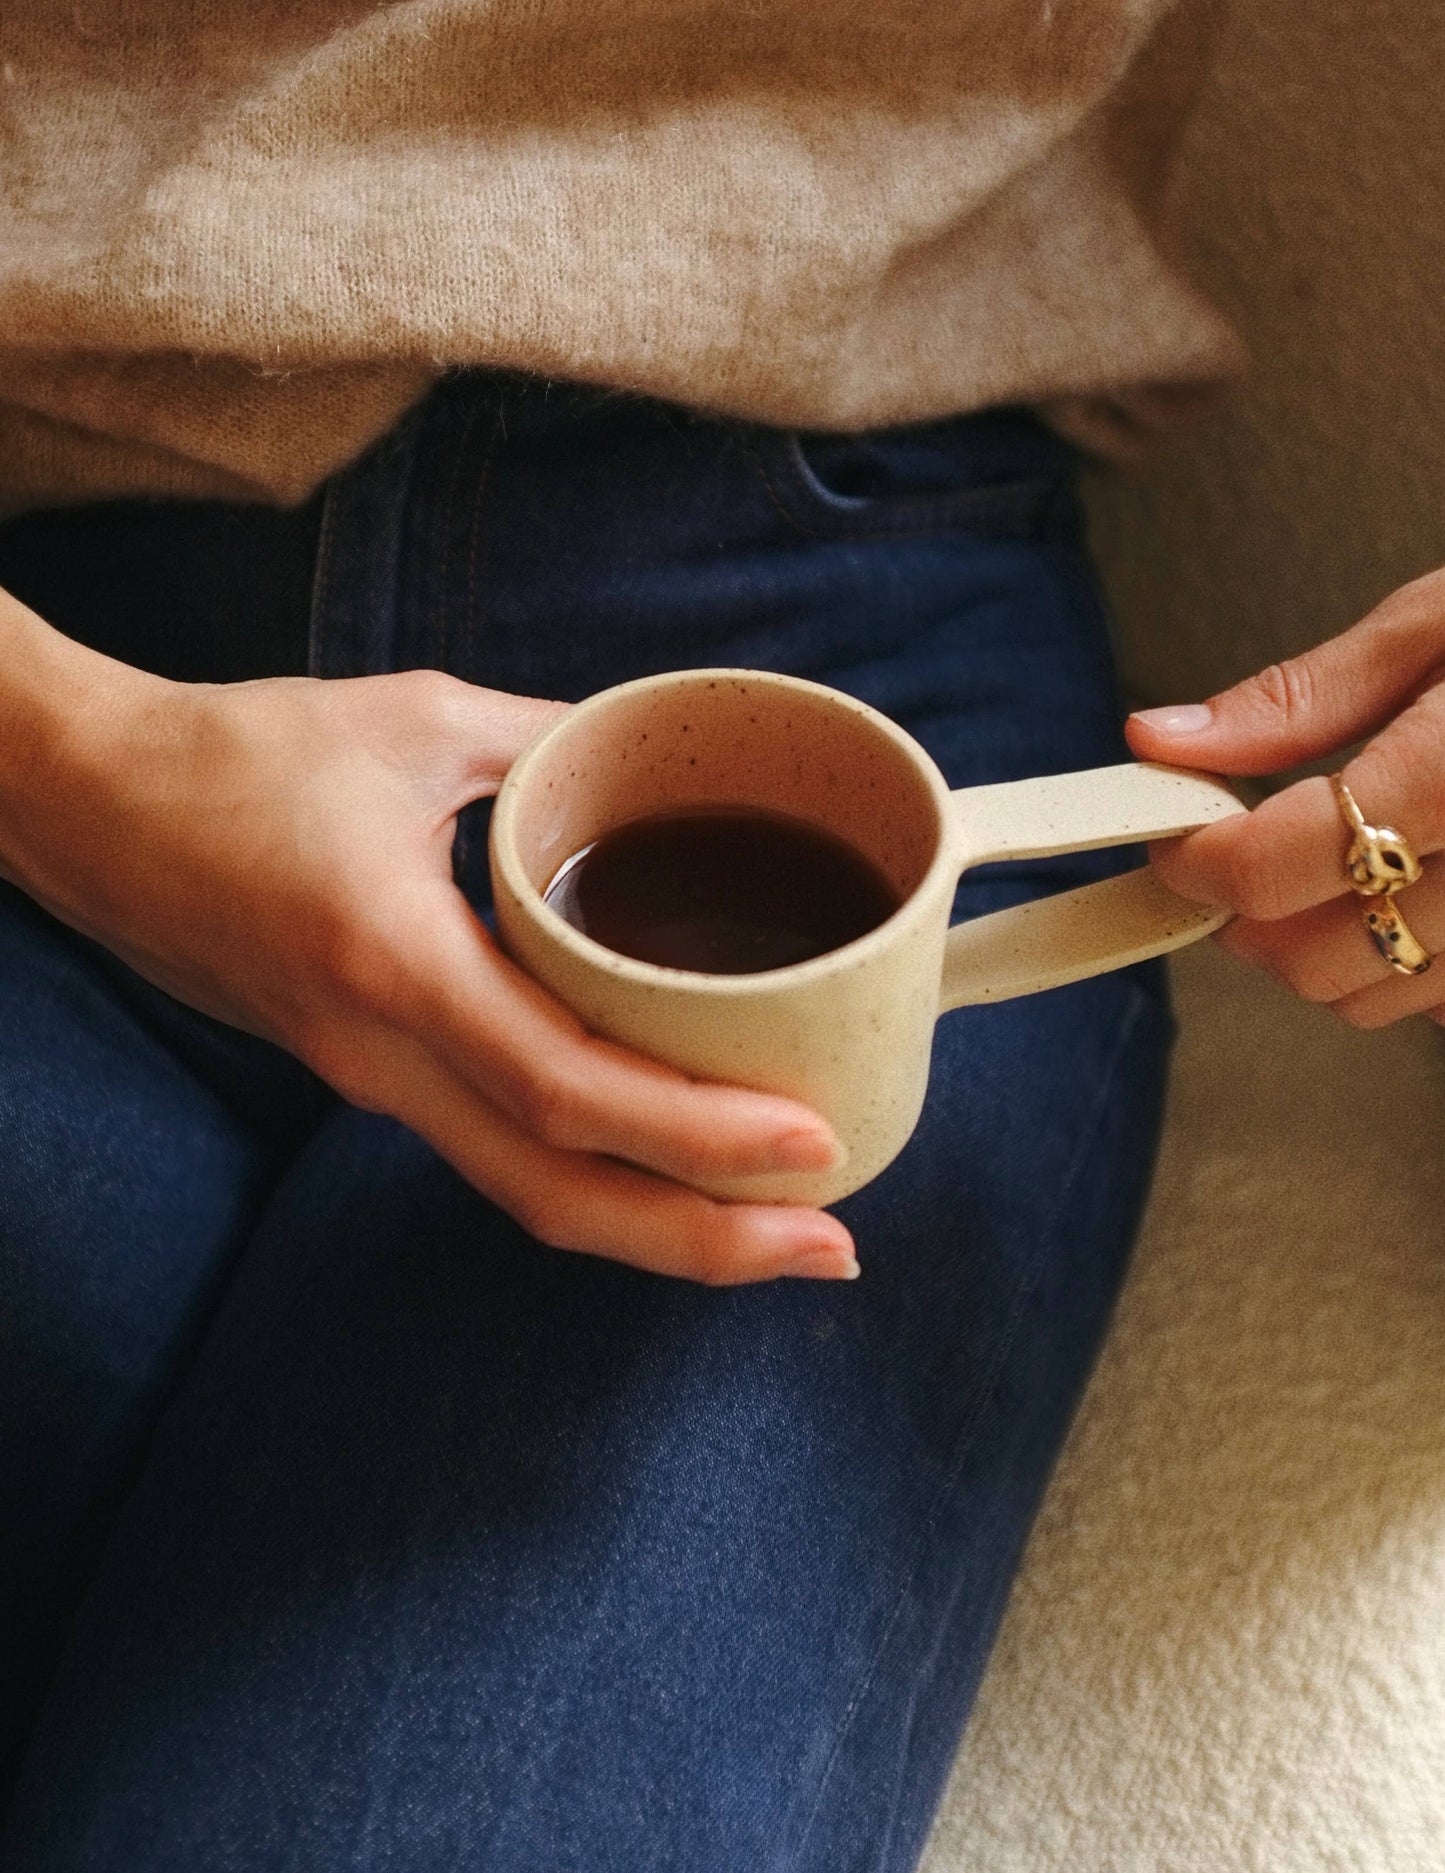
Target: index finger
(1289,853)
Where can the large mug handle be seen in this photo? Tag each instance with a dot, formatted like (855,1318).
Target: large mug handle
(1084,932)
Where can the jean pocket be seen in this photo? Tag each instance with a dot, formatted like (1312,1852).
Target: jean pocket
(996,472)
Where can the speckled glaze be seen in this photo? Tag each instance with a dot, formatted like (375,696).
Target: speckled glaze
(848,1033)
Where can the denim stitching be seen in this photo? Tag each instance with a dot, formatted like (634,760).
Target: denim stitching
(320,585)
(475,540)
(443,635)
(1014,499)
(968,1429)
(349,513)
(994,513)
(751,450)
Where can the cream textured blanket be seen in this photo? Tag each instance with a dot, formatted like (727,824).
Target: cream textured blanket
(1225,1651)
(236,241)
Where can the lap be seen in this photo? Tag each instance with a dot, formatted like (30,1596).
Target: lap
(127,1186)
(451,1550)
(481,1555)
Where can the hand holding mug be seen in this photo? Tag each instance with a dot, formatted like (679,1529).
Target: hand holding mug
(278,854)
(1281,870)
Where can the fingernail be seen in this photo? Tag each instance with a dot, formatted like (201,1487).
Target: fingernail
(1178,718)
(806,1151)
(825,1265)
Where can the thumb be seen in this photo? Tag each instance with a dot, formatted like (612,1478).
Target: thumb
(1308,706)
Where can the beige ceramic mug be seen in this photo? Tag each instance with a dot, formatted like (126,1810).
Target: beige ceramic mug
(848,1033)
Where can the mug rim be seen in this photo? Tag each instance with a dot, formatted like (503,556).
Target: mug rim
(502,840)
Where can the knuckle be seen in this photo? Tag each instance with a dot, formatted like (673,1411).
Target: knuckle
(719,1157)
(311,1042)
(371,948)
(337,1060)
(432,692)
(712,1249)
(713,1153)
(428,703)
(356,1088)
(545,1224)
(552,1107)
(360,962)
(550,1217)
(1286,690)
(1314,983)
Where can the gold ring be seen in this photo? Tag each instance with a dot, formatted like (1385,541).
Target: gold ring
(1378,863)
(1394,939)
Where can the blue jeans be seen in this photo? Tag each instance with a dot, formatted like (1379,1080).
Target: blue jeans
(344,1526)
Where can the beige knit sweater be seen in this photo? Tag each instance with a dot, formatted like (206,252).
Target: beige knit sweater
(239,237)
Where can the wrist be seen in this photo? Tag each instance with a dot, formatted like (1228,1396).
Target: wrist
(64,711)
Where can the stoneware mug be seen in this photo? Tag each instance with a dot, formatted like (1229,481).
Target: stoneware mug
(848,1033)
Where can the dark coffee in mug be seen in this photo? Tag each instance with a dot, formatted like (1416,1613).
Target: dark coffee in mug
(721,890)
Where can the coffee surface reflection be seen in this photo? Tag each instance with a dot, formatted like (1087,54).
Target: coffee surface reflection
(721,890)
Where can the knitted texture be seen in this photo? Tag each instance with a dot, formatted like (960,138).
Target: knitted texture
(235,242)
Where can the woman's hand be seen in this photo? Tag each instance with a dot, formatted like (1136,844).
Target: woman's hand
(1281,868)
(278,854)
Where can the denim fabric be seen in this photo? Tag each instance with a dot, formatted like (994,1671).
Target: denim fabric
(387,1539)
